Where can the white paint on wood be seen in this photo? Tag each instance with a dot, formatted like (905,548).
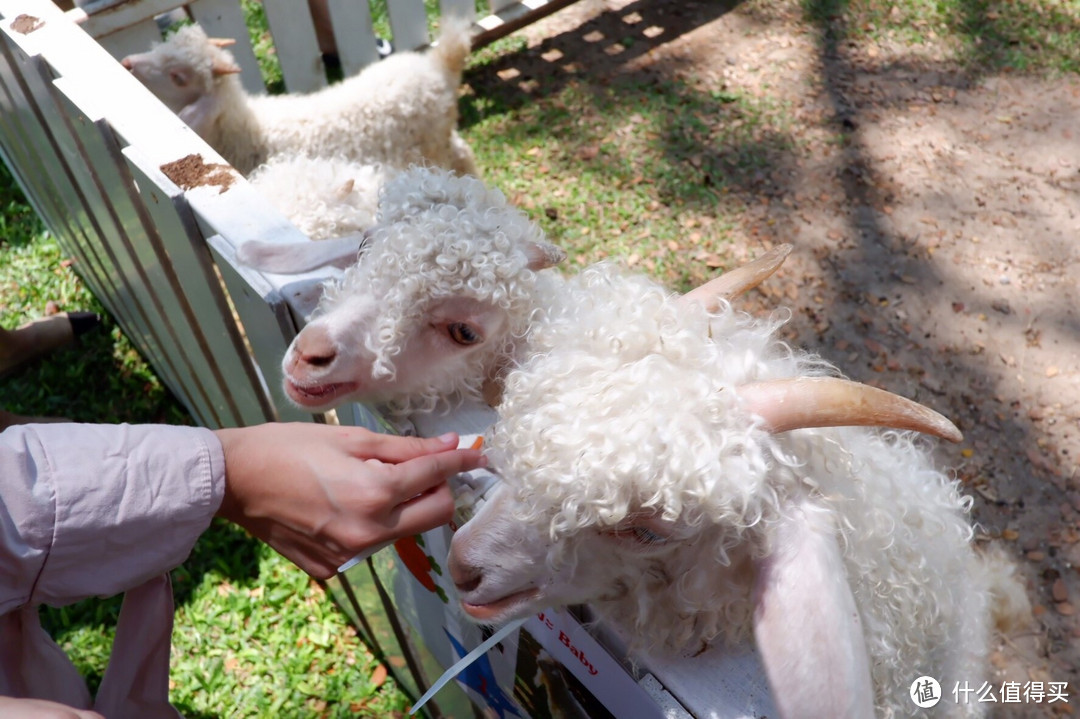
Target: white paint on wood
(408,23)
(117,219)
(140,269)
(266,320)
(103,20)
(225,19)
(297,48)
(458,8)
(353,34)
(172,314)
(139,37)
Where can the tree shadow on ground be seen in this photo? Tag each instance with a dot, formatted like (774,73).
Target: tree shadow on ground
(223,550)
(875,271)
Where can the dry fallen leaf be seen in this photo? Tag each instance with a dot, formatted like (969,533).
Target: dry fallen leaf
(378,676)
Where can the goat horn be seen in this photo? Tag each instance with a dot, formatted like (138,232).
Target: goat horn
(740,280)
(221,41)
(787,404)
(542,255)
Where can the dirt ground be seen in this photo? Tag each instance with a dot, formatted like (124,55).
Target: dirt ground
(936,256)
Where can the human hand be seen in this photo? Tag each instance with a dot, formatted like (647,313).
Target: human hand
(11,708)
(320,494)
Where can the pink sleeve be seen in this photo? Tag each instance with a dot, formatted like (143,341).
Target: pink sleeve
(92,510)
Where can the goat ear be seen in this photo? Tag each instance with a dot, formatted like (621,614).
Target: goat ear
(740,280)
(221,41)
(543,255)
(295,257)
(200,115)
(806,624)
(221,66)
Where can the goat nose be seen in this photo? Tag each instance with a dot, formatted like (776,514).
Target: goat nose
(314,347)
(465,577)
(126,63)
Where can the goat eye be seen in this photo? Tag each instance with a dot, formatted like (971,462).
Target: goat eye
(645,535)
(641,535)
(179,79)
(463,334)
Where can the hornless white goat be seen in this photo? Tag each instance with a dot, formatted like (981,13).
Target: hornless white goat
(396,112)
(446,283)
(325,197)
(677,466)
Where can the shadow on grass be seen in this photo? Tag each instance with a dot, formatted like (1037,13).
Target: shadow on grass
(566,100)
(612,114)
(223,550)
(98,378)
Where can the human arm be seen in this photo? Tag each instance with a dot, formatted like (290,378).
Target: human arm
(320,495)
(92,510)
(12,708)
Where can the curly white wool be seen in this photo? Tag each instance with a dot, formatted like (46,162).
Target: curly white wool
(402,110)
(440,236)
(323,196)
(627,402)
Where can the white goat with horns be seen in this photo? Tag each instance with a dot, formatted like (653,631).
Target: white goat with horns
(677,466)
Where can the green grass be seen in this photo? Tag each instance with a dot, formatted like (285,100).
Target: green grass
(984,36)
(661,169)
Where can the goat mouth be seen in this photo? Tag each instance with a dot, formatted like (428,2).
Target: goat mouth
(318,395)
(500,609)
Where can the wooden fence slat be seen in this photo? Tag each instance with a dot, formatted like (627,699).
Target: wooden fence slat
(22,150)
(458,8)
(135,266)
(193,324)
(102,20)
(28,152)
(129,107)
(267,322)
(224,18)
(103,183)
(297,48)
(408,22)
(511,16)
(74,202)
(197,310)
(131,39)
(353,34)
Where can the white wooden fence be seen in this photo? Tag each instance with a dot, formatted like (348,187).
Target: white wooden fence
(91,148)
